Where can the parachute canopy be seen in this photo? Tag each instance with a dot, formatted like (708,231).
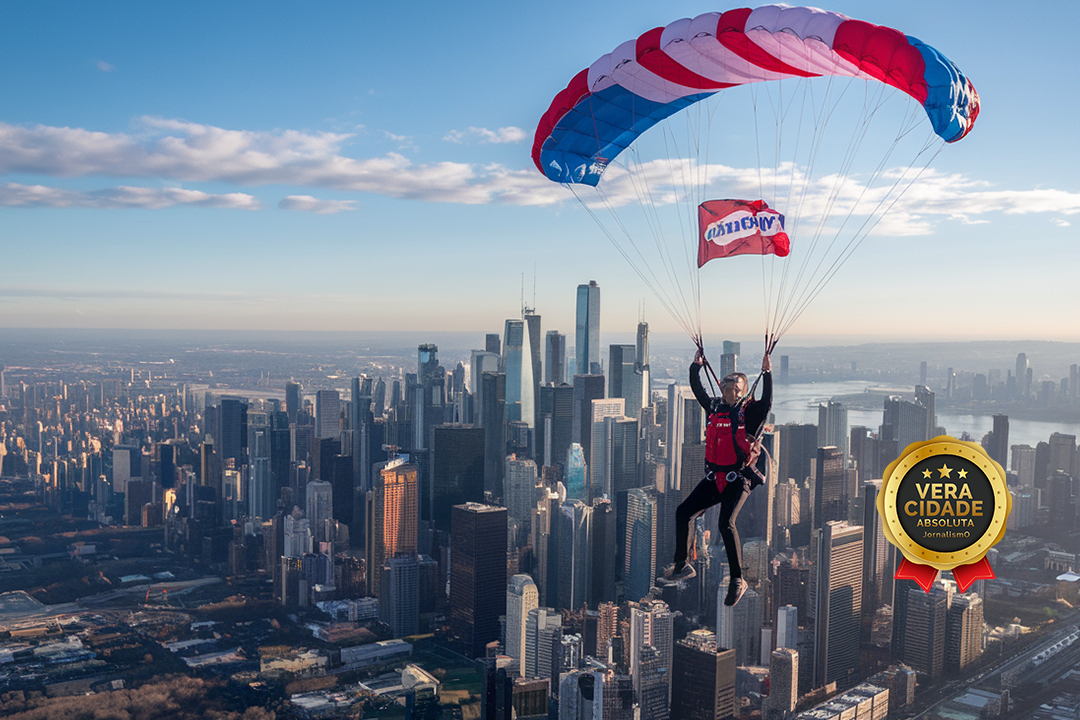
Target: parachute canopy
(740,227)
(607,106)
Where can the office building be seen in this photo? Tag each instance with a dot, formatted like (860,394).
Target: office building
(478,564)
(833,427)
(518,366)
(905,421)
(702,679)
(521,598)
(554,357)
(783,684)
(624,378)
(642,524)
(543,633)
(964,632)
(327,414)
(574,525)
(587,330)
(457,469)
(320,506)
(836,602)
(392,515)
(830,498)
(925,632)
(651,624)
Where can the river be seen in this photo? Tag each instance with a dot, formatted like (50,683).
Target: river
(798,404)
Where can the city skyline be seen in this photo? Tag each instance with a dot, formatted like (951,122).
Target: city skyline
(255,172)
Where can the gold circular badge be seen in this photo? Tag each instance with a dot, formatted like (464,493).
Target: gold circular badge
(944,502)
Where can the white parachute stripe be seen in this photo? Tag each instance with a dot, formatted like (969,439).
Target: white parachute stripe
(811,55)
(706,56)
(622,67)
(805,22)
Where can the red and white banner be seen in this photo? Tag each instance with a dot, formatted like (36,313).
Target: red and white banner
(740,227)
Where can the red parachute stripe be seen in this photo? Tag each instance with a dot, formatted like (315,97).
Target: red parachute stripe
(652,58)
(883,53)
(564,102)
(731,32)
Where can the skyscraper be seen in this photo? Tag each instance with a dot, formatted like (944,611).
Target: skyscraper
(554,357)
(798,448)
(399,594)
(964,631)
(327,414)
(905,421)
(294,401)
(924,644)
(478,564)
(998,445)
(783,684)
(787,627)
(600,409)
(519,494)
(574,525)
(624,379)
(833,426)
(392,517)
(651,625)
(1023,464)
(836,602)
(543,629)
(1023,385)
(232,421)
(876,574)
(521,597)
(587,330)
(702,679)
(642,522)
(586,389)
(830,500)
(319,504)
(457,470)
(641,364)
(518,366)
(617,462)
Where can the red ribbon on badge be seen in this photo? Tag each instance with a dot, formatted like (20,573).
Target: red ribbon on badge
(965,575)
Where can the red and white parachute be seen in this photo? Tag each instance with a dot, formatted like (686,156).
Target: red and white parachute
(826,119)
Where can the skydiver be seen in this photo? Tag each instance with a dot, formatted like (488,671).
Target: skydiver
(732,445)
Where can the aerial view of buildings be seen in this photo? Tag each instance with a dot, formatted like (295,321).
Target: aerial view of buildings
(322,395)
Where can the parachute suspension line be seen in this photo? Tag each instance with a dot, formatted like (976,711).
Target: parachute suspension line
(680,192)
(639,179)
(761,193)
(804,181)
(819,124)
(804,281)
(870,223)
(872,218)
(829,203)
(611,238)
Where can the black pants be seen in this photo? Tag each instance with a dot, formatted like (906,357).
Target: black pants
(704,496)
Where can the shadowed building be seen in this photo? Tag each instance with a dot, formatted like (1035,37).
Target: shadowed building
(477,575)
(702,679)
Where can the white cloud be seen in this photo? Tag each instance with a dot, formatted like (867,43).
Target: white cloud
(16,195)
(171,150)
(307,203)
(501,136)
(104,66)
(1061,223)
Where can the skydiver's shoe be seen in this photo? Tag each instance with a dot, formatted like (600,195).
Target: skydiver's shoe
(673,575)
(735,591)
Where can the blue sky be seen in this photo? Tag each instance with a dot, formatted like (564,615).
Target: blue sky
(345,166)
